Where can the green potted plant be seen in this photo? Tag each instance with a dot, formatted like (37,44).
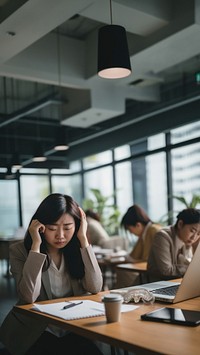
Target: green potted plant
(193,203)
(107,211)
(189,204)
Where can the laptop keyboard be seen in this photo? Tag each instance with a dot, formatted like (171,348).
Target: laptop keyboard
(170,290)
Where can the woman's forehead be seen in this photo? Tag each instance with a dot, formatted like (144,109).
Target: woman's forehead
(65,219)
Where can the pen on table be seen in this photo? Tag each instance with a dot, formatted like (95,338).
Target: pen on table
(71,305)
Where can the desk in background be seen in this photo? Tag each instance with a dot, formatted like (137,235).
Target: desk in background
(108,259)
(131,333)
(139,267)
(5,243)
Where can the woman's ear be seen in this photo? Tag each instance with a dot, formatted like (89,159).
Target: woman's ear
(180,224)
(138,224)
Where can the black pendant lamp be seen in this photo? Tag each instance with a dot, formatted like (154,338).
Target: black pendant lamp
(9,174)
(113,53)
(16,162)
(60,141)
(39,154)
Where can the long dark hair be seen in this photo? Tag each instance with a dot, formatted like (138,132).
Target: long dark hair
(48,212)
(134,215)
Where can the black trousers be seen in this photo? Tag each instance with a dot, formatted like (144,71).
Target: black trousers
(70,344)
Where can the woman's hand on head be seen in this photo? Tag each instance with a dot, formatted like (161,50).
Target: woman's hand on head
(35,228)
(83,230)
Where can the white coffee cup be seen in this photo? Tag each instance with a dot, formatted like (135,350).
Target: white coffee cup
(112,303)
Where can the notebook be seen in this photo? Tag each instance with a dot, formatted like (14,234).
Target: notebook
(86,309)
(173,292)
(71,310)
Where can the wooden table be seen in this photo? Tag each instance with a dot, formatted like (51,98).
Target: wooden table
(107,262)
(131,333)
(139,267)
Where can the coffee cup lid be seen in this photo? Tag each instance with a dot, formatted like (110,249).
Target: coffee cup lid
(112,297)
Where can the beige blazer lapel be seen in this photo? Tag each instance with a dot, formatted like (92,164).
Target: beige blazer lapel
(46,285)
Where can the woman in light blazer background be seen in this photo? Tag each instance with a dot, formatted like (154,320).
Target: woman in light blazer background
(137,222)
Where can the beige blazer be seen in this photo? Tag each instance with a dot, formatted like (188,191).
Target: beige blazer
(168,256)
(18,333)
(142,247)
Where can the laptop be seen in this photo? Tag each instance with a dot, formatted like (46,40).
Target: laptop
(173,292)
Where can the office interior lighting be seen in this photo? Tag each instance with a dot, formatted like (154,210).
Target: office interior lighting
(16,162)
(113,53)
(39,155)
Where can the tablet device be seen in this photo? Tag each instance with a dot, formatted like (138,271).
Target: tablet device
(173,315)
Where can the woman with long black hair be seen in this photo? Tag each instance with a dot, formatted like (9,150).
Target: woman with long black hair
(54,260)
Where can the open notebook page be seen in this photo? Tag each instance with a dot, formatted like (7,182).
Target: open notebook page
(86,309)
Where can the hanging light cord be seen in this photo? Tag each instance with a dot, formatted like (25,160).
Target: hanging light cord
(59,71)
(58,58)
(111,19)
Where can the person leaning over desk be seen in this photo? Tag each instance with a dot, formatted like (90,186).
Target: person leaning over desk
(54,260)
(137,222)
(173,246)
(96,233)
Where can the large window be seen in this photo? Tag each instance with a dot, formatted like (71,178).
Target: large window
(185,173)
(101,179)
(185,165)
(149,184)
(185,133)
(156,186)
(69,185)
(122,152)
(33,190)
(156,141)
(148,172)
(97,160)
(124,191)
(8,208)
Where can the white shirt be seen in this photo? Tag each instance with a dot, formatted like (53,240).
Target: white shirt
(59,280)
(60,287)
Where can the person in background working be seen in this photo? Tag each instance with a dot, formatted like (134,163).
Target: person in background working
(137,222)
(96,233)
(54,260)
(173,246)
